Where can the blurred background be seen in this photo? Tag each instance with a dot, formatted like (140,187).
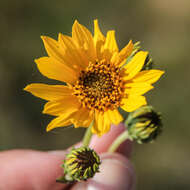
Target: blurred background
(162,26)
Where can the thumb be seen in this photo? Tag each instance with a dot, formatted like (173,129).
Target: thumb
(28,169)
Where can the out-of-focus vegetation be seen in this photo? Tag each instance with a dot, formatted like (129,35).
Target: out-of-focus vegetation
(162,26)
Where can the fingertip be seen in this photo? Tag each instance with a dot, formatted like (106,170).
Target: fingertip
(101,144)
(117,172)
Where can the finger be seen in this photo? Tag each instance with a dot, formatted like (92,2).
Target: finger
(101,144)
(27,169)
(116,172)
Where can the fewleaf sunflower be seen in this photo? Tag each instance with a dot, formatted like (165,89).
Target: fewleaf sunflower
(98,80)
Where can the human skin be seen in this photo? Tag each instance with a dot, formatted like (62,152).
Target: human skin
(36,170)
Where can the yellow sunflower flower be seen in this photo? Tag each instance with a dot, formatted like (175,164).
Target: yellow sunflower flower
(97,79)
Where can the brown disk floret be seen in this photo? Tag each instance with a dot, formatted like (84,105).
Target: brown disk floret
(100,86)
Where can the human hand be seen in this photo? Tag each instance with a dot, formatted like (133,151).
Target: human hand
(35,170)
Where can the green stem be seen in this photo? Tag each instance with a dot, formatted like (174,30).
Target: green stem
(88,135)
(119,140)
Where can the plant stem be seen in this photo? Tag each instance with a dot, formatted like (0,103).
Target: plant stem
(88,135)
(119,140)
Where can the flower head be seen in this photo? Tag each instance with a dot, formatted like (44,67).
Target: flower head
(98,80)
(80,164)
(144,124)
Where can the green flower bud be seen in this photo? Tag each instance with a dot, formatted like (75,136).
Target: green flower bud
(144,124)
(80,164)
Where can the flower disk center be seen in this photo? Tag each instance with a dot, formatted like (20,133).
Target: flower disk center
(100,86)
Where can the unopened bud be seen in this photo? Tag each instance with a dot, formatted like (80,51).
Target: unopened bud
(80,164)
(144,124)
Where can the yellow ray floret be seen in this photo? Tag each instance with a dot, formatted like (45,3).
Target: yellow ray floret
(97,80)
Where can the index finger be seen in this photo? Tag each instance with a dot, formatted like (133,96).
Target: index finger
(101,144)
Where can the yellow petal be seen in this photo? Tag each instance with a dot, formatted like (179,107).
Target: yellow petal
(124,54)
(135,65)
(62,54)
(48,92)
(99,39)
(84,39)
(82,118)
(53,69)
(110,45)
(133,102)
(98,36)
(61,121)
(72,55)
(126,51)
(137,88)
(114,116)
(61,106)
(101,123)
(115,58)
(97,123)
(52,48)
(150,76)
